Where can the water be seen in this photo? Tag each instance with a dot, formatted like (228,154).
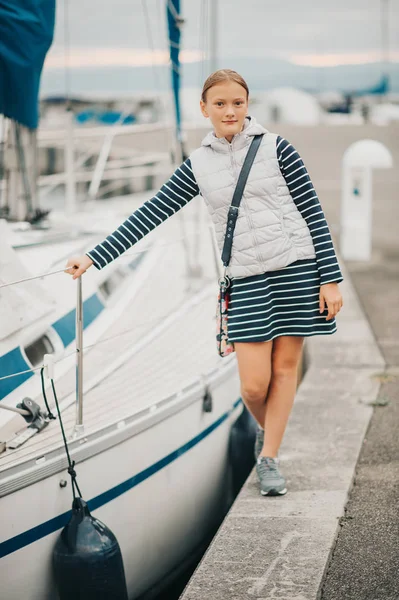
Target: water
(119,51)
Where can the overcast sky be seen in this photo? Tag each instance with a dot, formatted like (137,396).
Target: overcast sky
(303,31)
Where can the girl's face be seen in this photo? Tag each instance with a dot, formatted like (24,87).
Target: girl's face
(226,106)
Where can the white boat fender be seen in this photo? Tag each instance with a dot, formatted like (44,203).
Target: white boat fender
(87,560)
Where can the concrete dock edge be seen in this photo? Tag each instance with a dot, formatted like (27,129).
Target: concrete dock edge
(279,548)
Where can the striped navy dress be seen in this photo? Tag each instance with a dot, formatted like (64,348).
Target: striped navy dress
(262,307)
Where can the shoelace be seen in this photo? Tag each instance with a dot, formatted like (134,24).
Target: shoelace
(267,466)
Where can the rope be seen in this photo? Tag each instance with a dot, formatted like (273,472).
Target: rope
(141,324)
(50,414)
(20,373)
(152,322)
(71,463)
(3,285)
(125,255)
(19,411)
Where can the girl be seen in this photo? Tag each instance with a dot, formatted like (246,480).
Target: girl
(283,267)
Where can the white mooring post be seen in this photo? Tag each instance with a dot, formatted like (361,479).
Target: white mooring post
(356,205)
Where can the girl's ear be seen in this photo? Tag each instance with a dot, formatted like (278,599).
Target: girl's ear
(203,109)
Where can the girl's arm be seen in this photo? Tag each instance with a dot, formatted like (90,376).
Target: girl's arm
(173,195)
(304,195)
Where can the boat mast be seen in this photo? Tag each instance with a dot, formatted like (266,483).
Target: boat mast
(175,23)
(20,174)
(385,43)
(213,47)
(27,34)
(69,145)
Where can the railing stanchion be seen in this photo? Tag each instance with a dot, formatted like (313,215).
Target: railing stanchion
(78,430)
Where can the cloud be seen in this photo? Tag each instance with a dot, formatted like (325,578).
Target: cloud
(339,59)
(114,57)
(81,57)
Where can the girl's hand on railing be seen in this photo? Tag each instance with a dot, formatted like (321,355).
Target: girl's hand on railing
(80,265)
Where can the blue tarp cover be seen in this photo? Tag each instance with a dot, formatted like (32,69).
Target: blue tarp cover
(26,33)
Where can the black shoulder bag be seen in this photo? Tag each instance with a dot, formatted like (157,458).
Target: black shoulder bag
(224,346)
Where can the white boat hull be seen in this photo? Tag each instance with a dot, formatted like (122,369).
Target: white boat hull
(160,491)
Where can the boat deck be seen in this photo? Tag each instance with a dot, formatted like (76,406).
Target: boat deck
(162,340)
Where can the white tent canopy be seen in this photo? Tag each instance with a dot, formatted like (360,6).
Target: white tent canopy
(293,106)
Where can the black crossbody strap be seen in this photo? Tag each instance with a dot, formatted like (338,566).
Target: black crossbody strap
(235,203)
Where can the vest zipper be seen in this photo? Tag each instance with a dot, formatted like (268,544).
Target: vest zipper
(247,213)
(233,163)
(256,245)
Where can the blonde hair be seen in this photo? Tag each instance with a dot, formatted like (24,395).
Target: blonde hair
(220,76)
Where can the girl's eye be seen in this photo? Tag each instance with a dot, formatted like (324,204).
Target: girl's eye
(238,103)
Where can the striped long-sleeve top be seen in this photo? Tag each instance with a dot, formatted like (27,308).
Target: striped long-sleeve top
(182,187)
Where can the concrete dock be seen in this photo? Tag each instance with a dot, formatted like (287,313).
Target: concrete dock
(334,536)
(280,547)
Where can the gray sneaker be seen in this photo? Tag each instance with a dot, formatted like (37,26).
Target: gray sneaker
(272,483)
(260,436)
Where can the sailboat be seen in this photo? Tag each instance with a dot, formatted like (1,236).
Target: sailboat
(150,429)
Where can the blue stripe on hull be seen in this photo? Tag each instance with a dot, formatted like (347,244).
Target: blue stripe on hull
(65,327)
(14,362)
(48,527)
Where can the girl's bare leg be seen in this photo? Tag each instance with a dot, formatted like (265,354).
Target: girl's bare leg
(286,353)
(254,366)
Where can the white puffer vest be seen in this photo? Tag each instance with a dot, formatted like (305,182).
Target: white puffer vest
(270,232)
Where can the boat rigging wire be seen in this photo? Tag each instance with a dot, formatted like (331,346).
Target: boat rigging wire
(152,322)
(3,285)
(124,256)
(67,45)
(151,44)
(20,373)
(71,463)
(203,40)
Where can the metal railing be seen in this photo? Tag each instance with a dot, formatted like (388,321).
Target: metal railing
(78,430)
(141,165)
(79,145)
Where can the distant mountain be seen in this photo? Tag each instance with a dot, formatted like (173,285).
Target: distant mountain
(260,73)
(267,73)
